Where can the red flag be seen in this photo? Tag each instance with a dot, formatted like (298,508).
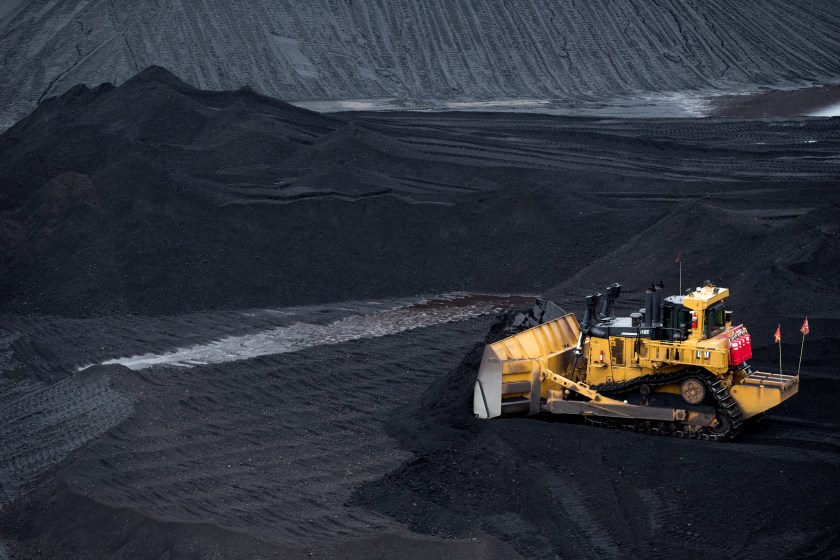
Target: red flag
(805,330)
(679,258)
(778,334)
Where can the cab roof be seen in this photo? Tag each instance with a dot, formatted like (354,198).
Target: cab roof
(704,297)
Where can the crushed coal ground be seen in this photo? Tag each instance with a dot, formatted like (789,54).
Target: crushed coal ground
(555,487)
(418,52)
(155,216)
(158,198)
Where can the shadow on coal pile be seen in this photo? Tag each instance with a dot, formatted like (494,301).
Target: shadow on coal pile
(564,489)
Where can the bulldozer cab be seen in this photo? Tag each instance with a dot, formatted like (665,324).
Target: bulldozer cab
(715,320)
(676,319)
(678,322)
(676,367)
(706,307)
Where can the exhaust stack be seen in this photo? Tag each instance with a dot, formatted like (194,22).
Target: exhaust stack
(607,310)
(612,294)
(604,311)
(649,296)
(657,304)
(588,316)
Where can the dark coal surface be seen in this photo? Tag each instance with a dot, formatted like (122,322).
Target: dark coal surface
(153,217)
(245,459)
(556,488)
(780,103)
(427,50)
(368,449)
(155,197)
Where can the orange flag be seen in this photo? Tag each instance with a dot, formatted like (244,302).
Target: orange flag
(778,334)
(805,330)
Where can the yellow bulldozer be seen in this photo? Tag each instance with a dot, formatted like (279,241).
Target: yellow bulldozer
(677,367)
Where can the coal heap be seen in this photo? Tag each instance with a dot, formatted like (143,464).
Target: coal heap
(152,217)
(579,51)
(155,197)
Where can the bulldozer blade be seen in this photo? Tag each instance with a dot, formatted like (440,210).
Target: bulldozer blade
(509,379)
(487,394)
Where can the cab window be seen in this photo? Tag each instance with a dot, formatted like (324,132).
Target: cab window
(673,318)
(715,320)
(684,318)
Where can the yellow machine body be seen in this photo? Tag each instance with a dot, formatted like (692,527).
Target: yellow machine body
(556,367)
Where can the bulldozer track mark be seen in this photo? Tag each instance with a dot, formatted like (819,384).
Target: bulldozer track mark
(286,453)
(47,422)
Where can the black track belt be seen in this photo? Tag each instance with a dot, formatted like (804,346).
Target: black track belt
(724,404)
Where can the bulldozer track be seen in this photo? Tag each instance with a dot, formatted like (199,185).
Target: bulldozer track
(724,403)
(653,380)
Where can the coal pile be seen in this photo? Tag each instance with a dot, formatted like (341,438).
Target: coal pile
(157,220)
(556,487)
(156,197)
(421,50)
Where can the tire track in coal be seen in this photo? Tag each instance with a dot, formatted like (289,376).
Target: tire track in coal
(43,423)
(682,150)
(789,441)
(700,133)
(596,539)
(275,444)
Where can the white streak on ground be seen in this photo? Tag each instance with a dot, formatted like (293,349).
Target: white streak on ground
(830,111)
(305,335)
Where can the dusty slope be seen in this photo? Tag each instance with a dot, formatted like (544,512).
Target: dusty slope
(368,449)
(560,489)
(427,49)
(778,266)
(229,460)
(155,197)
(285,434)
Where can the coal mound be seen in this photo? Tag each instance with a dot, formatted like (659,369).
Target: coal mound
(156,197)
(412,50)
(196,209)
(552,486)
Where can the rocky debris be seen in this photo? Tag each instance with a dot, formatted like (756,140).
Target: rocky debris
(543,311)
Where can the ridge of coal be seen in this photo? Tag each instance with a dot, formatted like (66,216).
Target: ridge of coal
(155,197)
(578,51)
